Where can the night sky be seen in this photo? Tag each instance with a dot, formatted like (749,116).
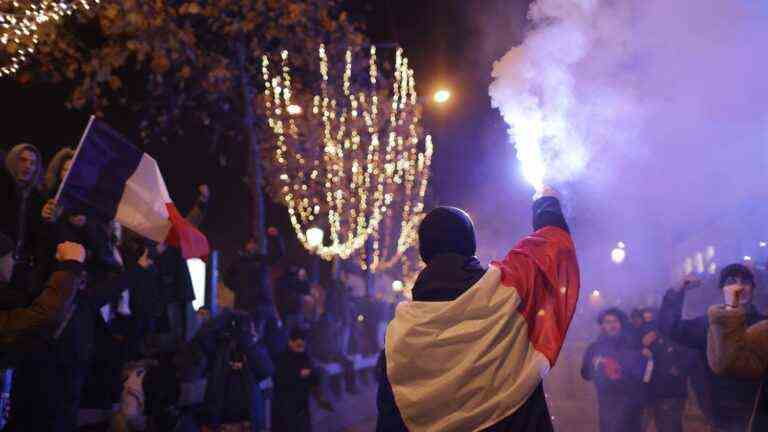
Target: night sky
(449,43)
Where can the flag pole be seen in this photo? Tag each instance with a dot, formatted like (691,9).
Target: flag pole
(74,158)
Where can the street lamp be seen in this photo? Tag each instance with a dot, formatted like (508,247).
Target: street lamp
(442,96)
(619,253)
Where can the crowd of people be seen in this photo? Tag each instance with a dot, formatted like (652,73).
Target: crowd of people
(93,316)
(646,366)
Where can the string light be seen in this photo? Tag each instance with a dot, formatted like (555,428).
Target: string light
(21,23)
(356,158)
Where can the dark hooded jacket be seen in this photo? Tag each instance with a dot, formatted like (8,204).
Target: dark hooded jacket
(237,365)
(290,404)
(20,218)
(451,270)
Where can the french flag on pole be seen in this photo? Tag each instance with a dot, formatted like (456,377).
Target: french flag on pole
(112,179)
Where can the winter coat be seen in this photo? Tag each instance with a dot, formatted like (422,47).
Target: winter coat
(21,203)
(727,396)
(291,392)
(237,365)
(42,316)
(248,277)
(20,220)
(450,278)
(738,351)
(618,377)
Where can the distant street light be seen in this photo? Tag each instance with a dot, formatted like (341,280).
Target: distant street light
(442,96)
(294,110)
(315,237)
(619,253)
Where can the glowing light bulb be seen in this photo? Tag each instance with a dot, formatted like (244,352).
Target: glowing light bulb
(294,110)
(442,96)
(315,237)
(397,286)
(619,253)
(596,293)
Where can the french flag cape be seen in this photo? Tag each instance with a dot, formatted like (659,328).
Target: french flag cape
(112,179)
(467,364)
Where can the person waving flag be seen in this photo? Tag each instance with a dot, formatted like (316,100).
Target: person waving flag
(111,179)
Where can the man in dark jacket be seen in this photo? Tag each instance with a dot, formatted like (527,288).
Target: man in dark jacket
(470,351)
(296,379)
(615,364)
(22,202)
(238,361)
(731,400)
(248,276)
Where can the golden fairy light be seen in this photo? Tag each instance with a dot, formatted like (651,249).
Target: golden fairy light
(21,22)
(350,155)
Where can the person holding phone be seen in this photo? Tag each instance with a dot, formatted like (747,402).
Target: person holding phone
(730,400)
(737,350)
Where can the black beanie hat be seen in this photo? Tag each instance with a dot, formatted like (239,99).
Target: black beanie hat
(446,230)
(736,270)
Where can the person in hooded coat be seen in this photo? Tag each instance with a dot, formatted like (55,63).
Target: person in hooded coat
(470,351)
(21,202)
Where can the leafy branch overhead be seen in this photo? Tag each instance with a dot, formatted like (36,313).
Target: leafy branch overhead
(187,54)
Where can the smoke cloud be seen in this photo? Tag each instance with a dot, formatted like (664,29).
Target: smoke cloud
(656,111)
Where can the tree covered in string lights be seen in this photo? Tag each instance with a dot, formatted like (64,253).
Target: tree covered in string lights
(198,63)
(350,154)
(23,23)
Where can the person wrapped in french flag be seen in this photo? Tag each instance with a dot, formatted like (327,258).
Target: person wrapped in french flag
(471,350)
(113,180)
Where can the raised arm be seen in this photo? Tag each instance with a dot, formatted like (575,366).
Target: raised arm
(48,309)
(543,269)
(734,350)
(690,333)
